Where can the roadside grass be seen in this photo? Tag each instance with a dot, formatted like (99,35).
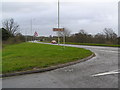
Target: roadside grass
(89,44)
(93,44)
(28,56)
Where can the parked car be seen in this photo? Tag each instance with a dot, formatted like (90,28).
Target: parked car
(53,42)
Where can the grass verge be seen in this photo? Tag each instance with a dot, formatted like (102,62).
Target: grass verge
(27,56)
(93,44)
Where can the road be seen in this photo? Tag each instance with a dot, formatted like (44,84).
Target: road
(99,72)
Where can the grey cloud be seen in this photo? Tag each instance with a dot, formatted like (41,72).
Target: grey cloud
(93,17)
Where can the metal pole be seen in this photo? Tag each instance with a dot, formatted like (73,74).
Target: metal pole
(58,24)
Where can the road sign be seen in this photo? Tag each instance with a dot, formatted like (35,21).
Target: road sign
(58,29)
(35,34)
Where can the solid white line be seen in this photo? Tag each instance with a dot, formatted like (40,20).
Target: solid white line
(106,73)
(109,51)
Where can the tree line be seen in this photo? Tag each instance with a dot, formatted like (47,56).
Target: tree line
(108,36)
(10,34)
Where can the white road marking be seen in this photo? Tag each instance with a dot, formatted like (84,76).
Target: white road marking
(69,70)
(107,73)
(109,51)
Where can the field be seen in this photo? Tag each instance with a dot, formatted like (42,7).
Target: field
(28,56)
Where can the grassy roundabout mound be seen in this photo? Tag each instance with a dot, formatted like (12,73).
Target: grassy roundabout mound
(29,56)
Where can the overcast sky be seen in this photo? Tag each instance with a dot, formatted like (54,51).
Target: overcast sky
(91,15)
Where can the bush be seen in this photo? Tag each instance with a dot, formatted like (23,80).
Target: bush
(14,40)
(5,34)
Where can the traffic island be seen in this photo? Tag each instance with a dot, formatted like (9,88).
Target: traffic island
(43,59)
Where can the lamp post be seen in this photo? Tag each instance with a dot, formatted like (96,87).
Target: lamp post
(58,29)
(58,23)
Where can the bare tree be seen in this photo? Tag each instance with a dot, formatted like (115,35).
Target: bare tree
(11,26)
(82,36)
(111,36)
(109,33)
(99,38)
(82,31)
(65,33)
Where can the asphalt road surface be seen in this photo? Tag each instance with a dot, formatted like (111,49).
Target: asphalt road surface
(99,72)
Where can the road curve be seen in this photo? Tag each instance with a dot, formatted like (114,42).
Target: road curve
(88,74)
